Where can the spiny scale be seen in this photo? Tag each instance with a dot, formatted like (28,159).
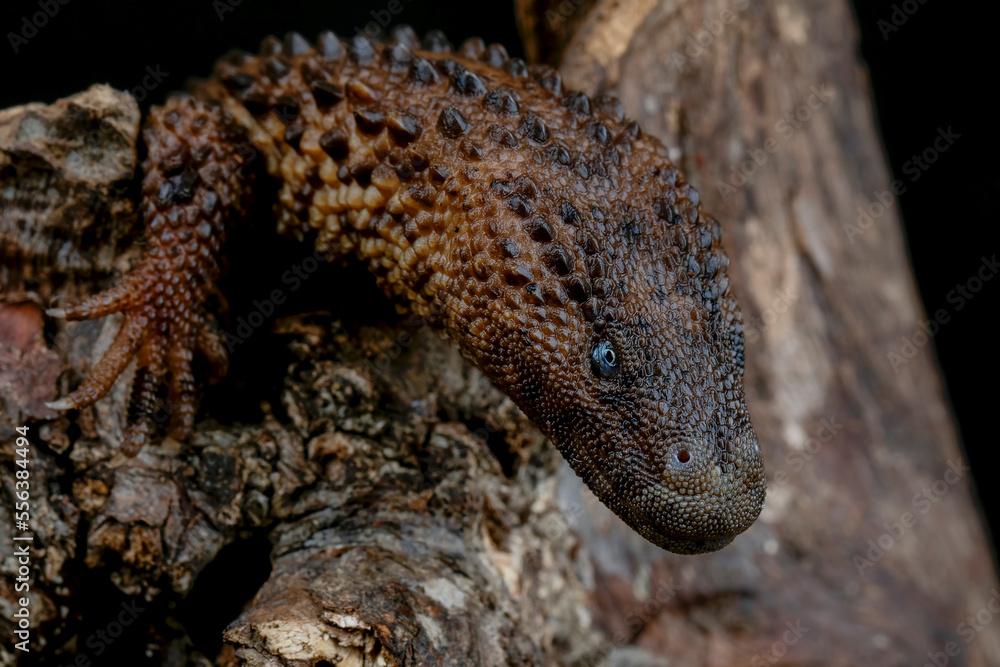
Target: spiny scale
(550,239)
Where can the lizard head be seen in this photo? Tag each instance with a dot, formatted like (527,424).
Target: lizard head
(663,418)
(640,383)
(593,290)
(663,430)
(657,422)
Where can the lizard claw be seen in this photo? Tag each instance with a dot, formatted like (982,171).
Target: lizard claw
(194,186)
(159,333)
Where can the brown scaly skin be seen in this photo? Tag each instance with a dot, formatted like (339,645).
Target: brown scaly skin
(550,239)
(195,185)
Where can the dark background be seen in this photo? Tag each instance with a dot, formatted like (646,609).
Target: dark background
(934,72)
(938,70)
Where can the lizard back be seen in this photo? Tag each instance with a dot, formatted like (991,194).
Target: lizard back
(550,239)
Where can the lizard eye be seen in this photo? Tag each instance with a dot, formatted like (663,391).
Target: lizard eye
(604,360)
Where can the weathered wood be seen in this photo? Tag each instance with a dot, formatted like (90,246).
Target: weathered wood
(409,502)
(852,436)
(417,518)
(65,171)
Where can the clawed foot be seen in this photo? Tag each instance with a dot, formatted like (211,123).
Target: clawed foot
(196,183)
(164,325)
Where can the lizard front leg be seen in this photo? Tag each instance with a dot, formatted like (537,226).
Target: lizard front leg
(196,184)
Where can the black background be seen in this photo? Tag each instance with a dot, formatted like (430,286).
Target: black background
(938,70)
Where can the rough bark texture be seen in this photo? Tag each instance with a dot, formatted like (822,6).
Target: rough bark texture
(414,516)
(852,436)
(409,503)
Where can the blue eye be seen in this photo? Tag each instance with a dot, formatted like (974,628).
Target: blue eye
(604,360)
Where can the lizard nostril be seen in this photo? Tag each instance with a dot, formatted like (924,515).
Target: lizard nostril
(683,456)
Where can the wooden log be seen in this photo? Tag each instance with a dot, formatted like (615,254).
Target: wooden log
(416,517)
(411,506)
(869,537)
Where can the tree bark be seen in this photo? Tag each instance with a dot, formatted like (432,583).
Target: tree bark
(870,537)
(406,499)
(414,516)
